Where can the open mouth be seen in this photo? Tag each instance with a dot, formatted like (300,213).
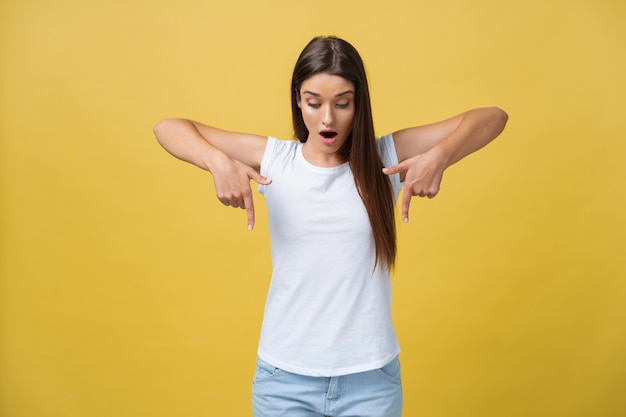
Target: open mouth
(328,134)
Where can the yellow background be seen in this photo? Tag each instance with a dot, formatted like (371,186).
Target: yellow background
(127,289)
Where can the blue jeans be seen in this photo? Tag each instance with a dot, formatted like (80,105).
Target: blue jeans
(376,393)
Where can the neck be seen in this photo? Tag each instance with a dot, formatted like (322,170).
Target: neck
(321,159)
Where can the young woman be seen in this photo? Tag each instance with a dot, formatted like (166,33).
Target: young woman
(327,346)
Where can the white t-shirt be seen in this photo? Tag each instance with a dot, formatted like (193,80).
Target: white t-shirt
(328,313)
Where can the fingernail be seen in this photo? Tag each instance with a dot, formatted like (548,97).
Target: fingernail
(406,220)
(249,227)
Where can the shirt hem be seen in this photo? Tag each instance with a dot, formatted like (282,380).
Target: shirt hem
(331,372)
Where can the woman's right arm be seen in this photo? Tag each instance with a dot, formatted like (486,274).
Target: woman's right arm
(232,158)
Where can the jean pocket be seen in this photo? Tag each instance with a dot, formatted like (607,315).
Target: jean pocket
(264,371)
(391,371)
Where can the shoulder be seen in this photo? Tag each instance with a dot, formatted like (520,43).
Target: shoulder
(278,151)
(387,150)
(389,158)
(280,147)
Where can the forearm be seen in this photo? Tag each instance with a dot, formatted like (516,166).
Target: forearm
(182,139)
(476,129)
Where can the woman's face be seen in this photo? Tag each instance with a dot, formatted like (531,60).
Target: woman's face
(327,104)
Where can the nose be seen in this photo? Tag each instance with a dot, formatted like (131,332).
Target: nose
(328,116)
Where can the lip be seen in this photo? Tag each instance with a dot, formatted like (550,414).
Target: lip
(328,136)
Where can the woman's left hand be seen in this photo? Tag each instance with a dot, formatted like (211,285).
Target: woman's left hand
(422,176)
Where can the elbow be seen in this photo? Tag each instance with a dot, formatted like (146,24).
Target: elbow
(160,127)
(162,130)
(499,118)
(503,116)
(496,113)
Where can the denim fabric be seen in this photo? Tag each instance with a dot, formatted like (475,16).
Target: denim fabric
(376,393)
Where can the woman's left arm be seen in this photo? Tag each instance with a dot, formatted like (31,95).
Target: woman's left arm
(425,152)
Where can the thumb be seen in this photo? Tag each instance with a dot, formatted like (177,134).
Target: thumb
(259,178)
(394,169)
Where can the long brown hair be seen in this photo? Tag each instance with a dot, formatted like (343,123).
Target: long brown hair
(331,55)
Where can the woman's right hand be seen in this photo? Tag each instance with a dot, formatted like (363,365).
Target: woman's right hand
(233,158)
(232,185)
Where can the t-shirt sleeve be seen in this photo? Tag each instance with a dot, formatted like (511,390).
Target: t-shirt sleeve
(389,158)
(266,161)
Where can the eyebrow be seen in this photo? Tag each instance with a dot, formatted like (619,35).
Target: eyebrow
(319,95)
